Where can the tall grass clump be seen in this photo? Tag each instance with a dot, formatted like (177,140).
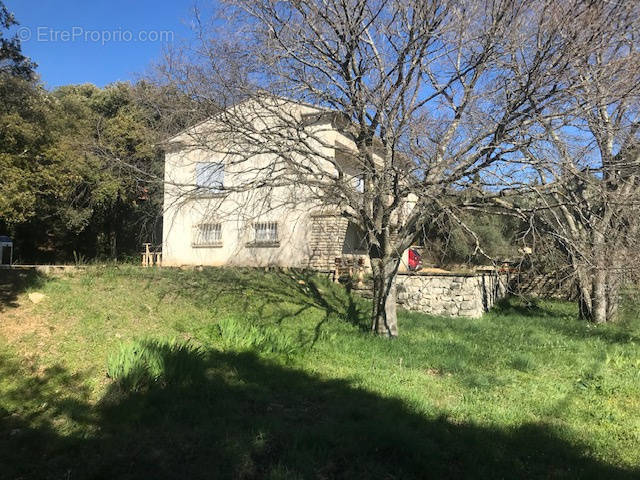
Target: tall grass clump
(235,334)
(141,364)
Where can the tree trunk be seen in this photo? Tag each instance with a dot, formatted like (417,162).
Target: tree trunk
(599,297)
(584,287)
(613,295)
(598,286)
(384,315)
(113,251)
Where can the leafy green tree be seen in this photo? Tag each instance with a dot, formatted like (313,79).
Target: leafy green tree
(105,142)
(73,160)
(81,167)
(22,135)
(471,238)
(23,139)
(12,60)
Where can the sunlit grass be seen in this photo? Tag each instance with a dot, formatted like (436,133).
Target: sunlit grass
(284,351)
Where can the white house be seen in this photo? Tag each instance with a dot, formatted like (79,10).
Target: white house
(210,220)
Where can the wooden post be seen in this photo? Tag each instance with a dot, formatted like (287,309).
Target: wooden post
(147,259)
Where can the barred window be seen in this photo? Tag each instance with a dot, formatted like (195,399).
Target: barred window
(207,234)
(209,176)
(266,232)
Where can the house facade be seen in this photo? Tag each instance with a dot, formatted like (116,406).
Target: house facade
(211,217)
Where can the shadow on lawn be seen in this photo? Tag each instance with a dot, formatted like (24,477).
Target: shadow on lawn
(526,307)
(15,281)
(275,296)
(249,418)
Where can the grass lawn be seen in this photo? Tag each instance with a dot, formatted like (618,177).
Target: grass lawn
(144,373)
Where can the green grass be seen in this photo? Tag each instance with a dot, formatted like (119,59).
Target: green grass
(143,373)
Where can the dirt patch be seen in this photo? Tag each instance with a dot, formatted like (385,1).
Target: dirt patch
(22,321)
(13,282)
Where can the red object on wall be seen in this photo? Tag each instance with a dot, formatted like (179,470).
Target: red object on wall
(415,260)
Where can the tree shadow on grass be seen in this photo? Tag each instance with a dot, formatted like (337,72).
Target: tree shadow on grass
(13,282)
(525,307)
(246,417)
(274,296)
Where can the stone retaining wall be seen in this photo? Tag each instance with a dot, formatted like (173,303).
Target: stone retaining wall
(453,295)
(43,269)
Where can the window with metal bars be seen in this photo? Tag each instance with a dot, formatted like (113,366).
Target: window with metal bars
(265,233)
(207,235)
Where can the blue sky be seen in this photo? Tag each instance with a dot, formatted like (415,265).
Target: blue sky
(97,41)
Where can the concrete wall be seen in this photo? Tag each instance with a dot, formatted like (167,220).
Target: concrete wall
(237,246)
(450,294)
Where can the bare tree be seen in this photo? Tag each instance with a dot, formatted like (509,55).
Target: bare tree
(587,158)
(434,96)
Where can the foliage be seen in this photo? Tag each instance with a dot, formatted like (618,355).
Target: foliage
(244,336)
(24,139)
(69,160)
(71,184)
(471,238)
(12,60)
(140,364)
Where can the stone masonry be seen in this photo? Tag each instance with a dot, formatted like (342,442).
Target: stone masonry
(448,294)
(452,295)
(327,237)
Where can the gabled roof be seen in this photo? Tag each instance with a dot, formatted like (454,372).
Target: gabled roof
(321,111)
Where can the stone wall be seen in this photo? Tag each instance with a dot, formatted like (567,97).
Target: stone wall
(327,237)
(453,295)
